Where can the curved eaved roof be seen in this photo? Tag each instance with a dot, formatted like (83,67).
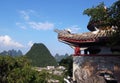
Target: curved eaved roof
(94,36)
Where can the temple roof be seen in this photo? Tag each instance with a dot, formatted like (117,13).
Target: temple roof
(94,36)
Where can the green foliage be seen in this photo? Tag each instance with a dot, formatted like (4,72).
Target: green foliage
(68,63)
(104,18)
(96,13)
(24,75)
(44,76)
(101,16)
(41,56)
(114,13)
(18,70)
(114,16)
(57,77)
(98,17)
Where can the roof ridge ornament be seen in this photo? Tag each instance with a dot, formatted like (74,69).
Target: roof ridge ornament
(69,30)
(96,30)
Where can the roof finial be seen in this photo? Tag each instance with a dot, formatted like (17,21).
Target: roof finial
(68,30)
(96,30)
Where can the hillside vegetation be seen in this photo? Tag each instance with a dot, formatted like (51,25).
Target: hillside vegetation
(40,56)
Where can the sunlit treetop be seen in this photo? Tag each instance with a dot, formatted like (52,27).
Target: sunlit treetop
(103,17)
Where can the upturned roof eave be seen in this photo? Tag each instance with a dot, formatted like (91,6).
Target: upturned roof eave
(82,43)
(88,38)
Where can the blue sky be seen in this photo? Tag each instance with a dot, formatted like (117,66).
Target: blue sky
(24,22)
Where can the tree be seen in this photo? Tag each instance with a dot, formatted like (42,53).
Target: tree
(18,70)
(98,17)
(68,63)
(114,15)
(102,17)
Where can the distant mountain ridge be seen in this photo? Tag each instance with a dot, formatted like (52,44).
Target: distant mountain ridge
(40,56)
(12,52)
(60,57)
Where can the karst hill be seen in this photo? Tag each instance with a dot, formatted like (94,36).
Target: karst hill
(40,56)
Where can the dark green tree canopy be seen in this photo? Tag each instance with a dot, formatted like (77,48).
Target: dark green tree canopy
(97,13)
(114,13)
(17,70)
(98,16)
(103,17)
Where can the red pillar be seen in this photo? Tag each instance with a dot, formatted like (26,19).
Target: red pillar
(77,51)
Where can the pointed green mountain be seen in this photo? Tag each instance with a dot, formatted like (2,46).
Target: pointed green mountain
(41,56)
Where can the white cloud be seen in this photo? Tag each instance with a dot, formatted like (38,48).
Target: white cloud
(30,43)
(41,26)
(25,14)
(7,41)
(38,25)
(22,26)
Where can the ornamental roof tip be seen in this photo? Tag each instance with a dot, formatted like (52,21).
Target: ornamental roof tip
(66,31)
(56,30)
